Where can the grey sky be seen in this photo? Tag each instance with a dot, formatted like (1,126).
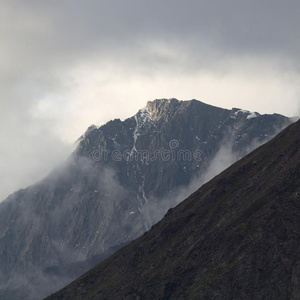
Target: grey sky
(66,64)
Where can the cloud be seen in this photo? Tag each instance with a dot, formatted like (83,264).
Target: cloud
(68,64)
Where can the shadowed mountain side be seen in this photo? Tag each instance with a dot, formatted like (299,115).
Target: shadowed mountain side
(237,237)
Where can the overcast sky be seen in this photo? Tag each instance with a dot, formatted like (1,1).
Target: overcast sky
(66,64)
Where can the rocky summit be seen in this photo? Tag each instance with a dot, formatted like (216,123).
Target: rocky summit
(237,237)
(121,179)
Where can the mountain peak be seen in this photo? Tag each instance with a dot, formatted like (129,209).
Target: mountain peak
(162,107)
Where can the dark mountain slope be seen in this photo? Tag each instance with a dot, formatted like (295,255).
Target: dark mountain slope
(237,237)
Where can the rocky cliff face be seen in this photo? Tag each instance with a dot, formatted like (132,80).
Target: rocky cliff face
(237,237)
(121,180)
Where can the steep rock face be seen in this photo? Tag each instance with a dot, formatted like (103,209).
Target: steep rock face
(121,179)
(177,138)
(237,237)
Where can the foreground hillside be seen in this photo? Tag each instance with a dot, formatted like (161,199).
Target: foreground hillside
(237,237)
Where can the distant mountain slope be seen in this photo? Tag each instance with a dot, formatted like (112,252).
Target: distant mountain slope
(237,237)
(121,180)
